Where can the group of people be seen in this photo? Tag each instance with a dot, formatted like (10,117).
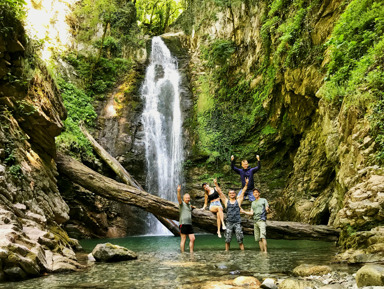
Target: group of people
(232,204)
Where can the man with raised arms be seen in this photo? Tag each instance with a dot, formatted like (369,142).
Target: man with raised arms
(185,220)
(233,206)
(246,172)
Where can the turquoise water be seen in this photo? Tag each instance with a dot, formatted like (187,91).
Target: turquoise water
(161,265)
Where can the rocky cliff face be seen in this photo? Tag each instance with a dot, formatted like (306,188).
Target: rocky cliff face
(31,207)
(329,173)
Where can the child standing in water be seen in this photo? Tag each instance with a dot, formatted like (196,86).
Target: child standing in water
(215,206)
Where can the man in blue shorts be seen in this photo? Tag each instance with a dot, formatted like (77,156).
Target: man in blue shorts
(185,221)
(246,172)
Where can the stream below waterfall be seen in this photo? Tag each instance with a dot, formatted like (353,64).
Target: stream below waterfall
(161,265)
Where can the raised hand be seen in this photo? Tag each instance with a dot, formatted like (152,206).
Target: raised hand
(258,157)
(232,157)
(246,181)
(178,188)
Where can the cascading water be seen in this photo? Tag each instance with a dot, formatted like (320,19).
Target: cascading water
(162,124)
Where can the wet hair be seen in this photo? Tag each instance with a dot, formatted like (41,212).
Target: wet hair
(204,185)
(231,190)
(244,160)
(256,189)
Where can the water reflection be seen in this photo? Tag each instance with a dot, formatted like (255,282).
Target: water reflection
(161,265)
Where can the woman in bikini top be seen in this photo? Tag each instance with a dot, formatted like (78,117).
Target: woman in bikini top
(215,206)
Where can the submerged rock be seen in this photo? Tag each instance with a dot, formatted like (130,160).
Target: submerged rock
(246,281)
(269,283)
(112,253)
(370,275)
(308,270)
(298,284)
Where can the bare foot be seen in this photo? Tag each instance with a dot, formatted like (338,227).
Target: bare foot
(218,234)
(224,227)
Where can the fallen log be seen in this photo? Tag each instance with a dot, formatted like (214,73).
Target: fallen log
(113,190)
(122,173)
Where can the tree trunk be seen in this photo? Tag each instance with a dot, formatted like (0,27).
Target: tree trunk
(113,190)
(124,176)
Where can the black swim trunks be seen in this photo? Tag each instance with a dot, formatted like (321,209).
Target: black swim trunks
(186,229)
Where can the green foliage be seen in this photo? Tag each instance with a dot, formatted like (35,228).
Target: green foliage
(290,23)
(11,161)
(359,29)
(267,130)
(13,8)
(355,74)
(218,52)
(25,108)
(80,109)
(155,16)
(101,77)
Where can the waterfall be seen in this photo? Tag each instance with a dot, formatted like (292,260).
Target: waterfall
(162,125)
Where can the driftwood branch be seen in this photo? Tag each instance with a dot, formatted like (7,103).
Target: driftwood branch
(122,173)
(113,190)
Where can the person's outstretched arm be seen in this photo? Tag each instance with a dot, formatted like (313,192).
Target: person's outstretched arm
(237,170)
(255,169)
(223,198)
(250,213)
(178,194)
(240,198)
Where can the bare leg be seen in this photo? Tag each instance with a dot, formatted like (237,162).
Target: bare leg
(227,245)
(263,245)
(222,217)
(191,242)
(241,246)
(215,209)
(218,225)
(182,242)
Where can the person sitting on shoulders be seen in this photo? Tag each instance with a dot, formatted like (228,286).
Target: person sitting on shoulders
(233,206)
(185,220)
(215,206)
(246,172)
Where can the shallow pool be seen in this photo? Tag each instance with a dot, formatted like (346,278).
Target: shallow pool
(161,265)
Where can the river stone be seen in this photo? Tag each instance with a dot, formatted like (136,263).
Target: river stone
(370,275)
(246,281)
(298,284)
(15,274)
(333,286)
(112,253)
(269,283)
(307,270)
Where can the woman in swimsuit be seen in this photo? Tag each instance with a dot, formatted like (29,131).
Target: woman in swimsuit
(215,206)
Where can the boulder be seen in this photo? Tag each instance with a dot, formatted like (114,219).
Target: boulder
(269,283)
(15,274)
(370,275)
(307,270)
(298,284)
(112,253)
(246,281)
